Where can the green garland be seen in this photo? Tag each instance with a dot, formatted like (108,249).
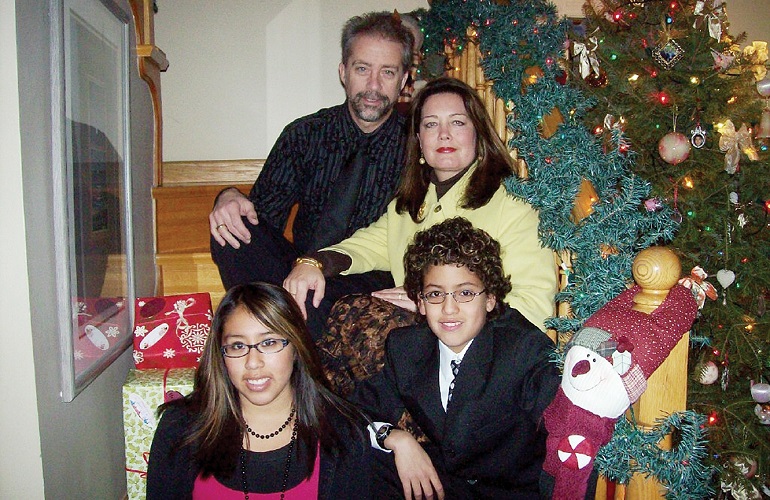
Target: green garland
(680,470)
(512,37)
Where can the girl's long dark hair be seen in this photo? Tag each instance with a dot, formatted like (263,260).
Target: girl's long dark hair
(494,160)
(219,427)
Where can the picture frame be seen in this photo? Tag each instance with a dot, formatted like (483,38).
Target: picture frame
(91,140)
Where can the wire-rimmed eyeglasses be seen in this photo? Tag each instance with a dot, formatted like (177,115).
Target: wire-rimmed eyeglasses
(267,346)
(460,296)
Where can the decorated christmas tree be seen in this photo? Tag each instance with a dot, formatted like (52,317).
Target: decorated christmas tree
(695,111)
(522,48)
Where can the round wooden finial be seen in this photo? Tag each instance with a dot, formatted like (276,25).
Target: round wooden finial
(656,270)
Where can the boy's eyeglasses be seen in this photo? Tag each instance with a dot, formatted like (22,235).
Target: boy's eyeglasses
(267,346)
(460,296)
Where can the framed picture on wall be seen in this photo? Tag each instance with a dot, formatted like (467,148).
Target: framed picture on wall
(92,179)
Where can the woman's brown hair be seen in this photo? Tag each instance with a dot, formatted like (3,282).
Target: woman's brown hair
(494,160)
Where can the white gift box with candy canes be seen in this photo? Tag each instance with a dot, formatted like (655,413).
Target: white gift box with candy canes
(170,331)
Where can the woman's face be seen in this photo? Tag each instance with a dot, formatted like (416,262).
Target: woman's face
(260,379)
(447,136)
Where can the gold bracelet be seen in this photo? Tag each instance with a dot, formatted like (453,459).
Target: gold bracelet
(310,261)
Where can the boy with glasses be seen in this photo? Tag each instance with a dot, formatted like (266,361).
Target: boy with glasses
(475,377)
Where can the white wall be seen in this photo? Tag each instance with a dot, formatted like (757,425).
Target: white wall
(20,448)
(241,70)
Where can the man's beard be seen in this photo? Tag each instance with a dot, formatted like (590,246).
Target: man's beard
(371,113)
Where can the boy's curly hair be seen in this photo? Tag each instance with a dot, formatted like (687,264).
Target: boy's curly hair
(456,241)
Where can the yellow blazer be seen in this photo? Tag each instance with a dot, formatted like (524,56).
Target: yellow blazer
(381,245)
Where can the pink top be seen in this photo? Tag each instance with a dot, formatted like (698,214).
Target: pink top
(208,488)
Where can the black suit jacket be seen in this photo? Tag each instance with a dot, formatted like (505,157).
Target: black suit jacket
(491,441)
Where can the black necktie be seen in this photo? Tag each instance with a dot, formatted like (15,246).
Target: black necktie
(455,364)
(338,210)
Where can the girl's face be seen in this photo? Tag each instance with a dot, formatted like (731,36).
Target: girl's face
(261,379)
(447,136)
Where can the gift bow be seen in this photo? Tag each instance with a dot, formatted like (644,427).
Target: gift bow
(733,142)
(179,308)
(711,18)
(698,285)
(756,55)
(586,52)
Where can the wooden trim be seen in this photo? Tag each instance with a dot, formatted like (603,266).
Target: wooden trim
(216,172)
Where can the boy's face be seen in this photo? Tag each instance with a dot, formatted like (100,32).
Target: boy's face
(455,324)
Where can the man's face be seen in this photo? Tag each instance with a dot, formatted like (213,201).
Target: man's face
(373,78)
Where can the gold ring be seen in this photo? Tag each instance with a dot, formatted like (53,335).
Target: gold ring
(221,225)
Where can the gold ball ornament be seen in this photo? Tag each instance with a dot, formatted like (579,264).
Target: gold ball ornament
(674,148)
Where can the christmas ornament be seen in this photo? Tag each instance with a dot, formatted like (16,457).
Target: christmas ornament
(733,143)
(763,129)
(760,392)
(597,80)
(667,54)
(709,373)
(585,53)
(722,60)
(674,148)
(762,411)
(747,466)
(698,285)
(725,277)
(698,137)
(711,19)
(763,87)
(755,57)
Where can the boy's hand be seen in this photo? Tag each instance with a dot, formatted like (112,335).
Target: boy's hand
(418,476)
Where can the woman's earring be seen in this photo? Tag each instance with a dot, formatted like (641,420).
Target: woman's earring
(421,161)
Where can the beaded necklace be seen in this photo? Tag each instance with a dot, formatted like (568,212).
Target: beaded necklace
(286,468)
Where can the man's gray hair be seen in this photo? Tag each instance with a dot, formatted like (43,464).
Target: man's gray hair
(386,25)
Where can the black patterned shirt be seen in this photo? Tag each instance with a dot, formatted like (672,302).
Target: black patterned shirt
(306,160)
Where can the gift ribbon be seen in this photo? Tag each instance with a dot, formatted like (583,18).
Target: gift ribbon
(698,285)
(733,142)
(711,18)
(179,308)
(756,55)
(142,473)
(585,52)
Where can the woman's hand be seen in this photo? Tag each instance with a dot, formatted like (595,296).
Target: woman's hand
(415,469)
(225,221)
(301,279)
(396,296)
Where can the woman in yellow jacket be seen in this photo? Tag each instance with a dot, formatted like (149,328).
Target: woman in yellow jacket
(456,165)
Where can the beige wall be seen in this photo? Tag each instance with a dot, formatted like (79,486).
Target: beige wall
(20,449)
(241,70)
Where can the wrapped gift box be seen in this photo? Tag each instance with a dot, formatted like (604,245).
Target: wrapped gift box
(102,323)
(143,392)
(170,331)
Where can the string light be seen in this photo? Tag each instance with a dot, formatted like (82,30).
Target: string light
(664,98)
(732,100)
(633,78)
(688,183)
(713,418)
(695,80)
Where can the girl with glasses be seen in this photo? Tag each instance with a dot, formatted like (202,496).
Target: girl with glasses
(261,421)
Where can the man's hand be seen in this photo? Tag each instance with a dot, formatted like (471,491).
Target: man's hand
(415,469)
(396,296)
(225,221)
(301,279)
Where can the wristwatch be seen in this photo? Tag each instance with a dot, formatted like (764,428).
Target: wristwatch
(382,434)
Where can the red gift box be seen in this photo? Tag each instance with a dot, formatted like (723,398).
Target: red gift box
(170,331)
(102,323)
